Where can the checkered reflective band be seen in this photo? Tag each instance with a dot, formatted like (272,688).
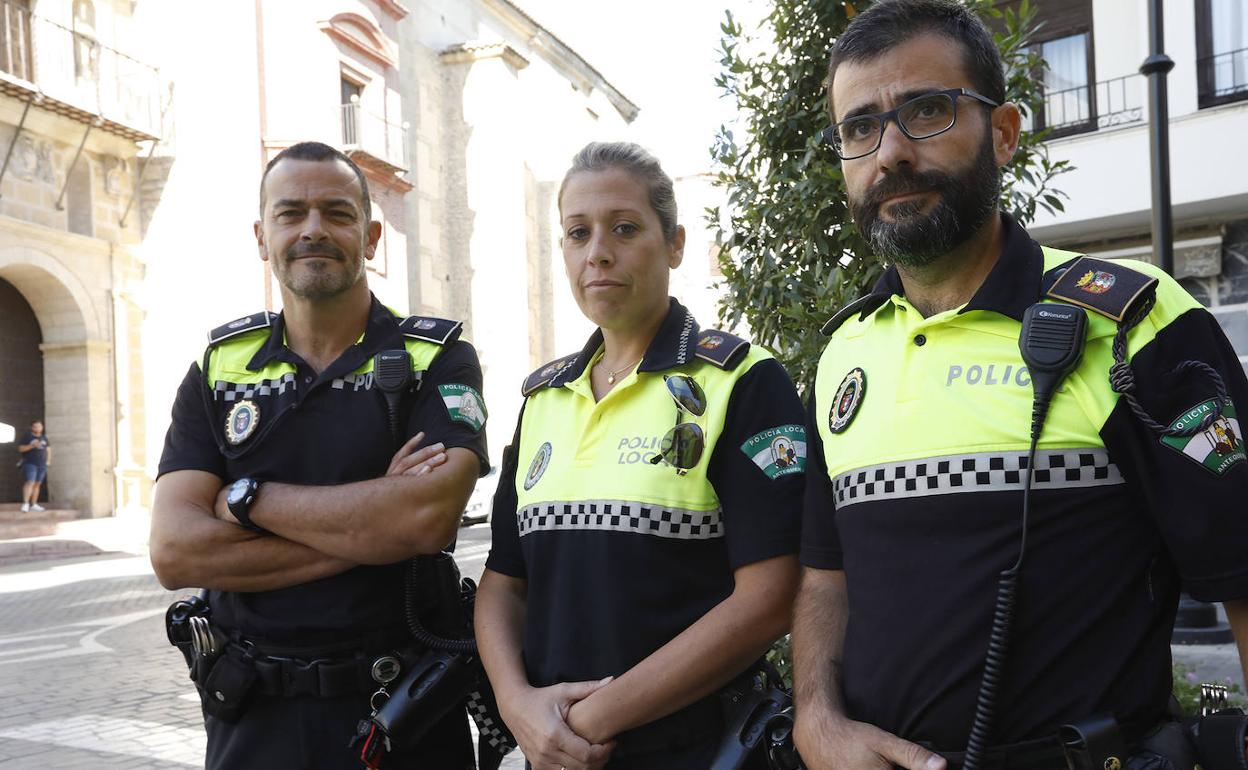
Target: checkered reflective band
(622,516)
(981,472)
(356,381)
(486,724)
(233,391)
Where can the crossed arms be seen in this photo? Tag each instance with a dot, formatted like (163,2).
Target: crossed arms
(313,531)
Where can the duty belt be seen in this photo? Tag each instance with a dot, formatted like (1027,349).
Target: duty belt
(307,675)
(1040,754)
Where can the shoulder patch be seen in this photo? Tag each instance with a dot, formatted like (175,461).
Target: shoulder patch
(1108,288)
(440,331)
(721,348)
(542,377)
(261,320)
(865,305)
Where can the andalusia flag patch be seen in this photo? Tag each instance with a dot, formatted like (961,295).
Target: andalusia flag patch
(463,404)
(778,451)
(1219,446)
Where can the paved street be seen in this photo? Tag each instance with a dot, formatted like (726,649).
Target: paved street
(87,679)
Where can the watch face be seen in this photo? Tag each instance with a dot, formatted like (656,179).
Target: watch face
(238,491)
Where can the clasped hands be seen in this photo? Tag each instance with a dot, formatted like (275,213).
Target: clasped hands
(555,726)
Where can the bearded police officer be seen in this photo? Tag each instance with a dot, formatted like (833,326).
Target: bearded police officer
(920,428)
(281,492)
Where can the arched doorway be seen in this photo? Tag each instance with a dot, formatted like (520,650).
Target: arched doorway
(21,382)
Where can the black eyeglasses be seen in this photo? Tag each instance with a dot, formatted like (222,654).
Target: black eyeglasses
(683,445)
(920,118)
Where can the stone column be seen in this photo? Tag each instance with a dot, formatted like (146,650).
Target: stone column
(78,396)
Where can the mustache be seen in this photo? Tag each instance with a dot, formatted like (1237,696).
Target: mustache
(297,250)
(902,183)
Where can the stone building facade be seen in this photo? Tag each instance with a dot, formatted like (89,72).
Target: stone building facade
(76,111)
(126,215)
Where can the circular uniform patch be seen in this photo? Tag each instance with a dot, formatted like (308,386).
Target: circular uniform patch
(538,466)
(848,399)
(241,422)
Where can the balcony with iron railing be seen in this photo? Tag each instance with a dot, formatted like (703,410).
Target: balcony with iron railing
(373,140)
(1107,104)
(1222,78)
(72,73)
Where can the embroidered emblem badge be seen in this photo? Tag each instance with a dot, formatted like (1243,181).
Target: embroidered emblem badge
(553,369)
(464,404)
(848,398)
(778,451)
(239,323)
(241,422)
(712,342)
(538,466)
(425,324)
(1219,446)
(1096,282)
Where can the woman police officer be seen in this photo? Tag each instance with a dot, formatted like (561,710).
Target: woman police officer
(638,567)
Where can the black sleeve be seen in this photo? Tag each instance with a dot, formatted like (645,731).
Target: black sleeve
(1195,488)
(505,554)
(450,408)
(190,444)
(758,465)
(821,544)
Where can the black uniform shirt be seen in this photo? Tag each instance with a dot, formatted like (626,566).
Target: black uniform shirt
(603,591)
(337,433)
(1108,545)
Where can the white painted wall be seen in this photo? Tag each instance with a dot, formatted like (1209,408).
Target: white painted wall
(202,264)
(1109,192)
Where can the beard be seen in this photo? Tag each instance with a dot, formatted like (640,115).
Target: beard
(321,279)
(915,239)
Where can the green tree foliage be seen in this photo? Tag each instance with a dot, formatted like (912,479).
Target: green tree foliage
(789,251)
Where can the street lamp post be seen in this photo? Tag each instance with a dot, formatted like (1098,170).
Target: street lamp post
(1197,622)
(1156,67)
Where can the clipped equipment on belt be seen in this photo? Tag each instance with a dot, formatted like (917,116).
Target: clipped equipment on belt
(438,607)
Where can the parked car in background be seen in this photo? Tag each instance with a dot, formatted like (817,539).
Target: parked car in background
(481,504)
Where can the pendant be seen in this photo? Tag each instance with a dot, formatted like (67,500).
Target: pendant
(610,379)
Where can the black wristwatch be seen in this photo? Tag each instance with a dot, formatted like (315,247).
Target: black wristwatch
(239,499)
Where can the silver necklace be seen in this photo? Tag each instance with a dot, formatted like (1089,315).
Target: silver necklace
(611,377)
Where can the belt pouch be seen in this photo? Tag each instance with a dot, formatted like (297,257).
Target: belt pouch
(1094,743)
(1219,740)
(227,687)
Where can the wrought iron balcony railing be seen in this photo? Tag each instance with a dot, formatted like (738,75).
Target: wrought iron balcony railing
(1222,78)
(364,132)
(1115,102)
(78,72)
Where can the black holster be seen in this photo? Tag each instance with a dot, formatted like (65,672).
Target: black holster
(437,683)
(1219,739)
(754,707)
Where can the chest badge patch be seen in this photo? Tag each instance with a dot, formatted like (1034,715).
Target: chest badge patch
(1219,446)
(538,466)
(778,451)
(464,404)
(848,398)
(241,422)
